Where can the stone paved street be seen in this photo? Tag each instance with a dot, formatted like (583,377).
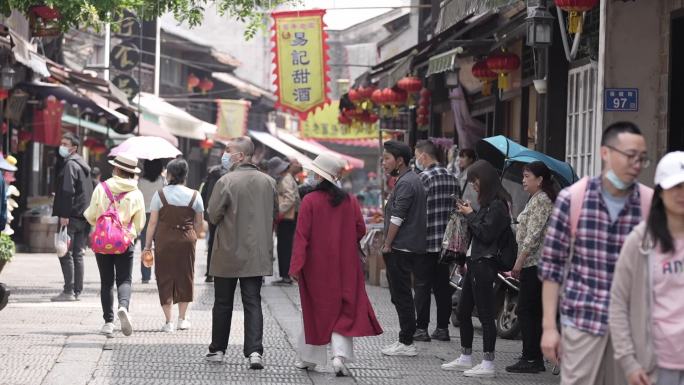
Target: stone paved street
(58,343)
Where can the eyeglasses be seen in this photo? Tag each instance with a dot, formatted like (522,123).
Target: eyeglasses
(633,158)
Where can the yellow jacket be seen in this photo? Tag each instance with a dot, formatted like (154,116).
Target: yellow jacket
(131,208)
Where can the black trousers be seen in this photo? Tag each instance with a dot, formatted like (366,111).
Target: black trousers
(115,268)
(478,290)
(285,232)
(432,277)
(72,262)
(400,265)
(530,313)
(210,245)
(222,314)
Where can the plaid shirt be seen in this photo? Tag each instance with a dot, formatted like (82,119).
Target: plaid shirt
(439,184)
(586,293)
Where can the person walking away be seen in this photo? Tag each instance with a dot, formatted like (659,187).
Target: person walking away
(607,209)
(466,157)
(537,182)
(646,311)
(215,173)
(487,226)
(405,241)
(244,206)
(74,189)
(175,221)
(326,264)
(151,182)
(288,199)
(121,191)
(441,187)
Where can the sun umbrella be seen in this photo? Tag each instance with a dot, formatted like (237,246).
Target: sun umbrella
(497,149)
(146,147)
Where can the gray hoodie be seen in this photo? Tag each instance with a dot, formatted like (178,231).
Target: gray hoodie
(630,306)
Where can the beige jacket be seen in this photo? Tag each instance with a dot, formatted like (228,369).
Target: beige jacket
(630,306)
(288,197)
(243,206)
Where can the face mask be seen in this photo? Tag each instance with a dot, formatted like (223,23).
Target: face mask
(311,179)
(64,151)
(227,161)
(419,166)
(617,182)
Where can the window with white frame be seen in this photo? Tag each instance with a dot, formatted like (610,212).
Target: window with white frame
(580,142)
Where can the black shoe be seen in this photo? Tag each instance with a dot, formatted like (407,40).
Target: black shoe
(209,279)
(527,366)
(440,335)
(421,335)
(4,296)
(283,282)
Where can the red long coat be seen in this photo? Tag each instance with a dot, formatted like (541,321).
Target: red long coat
(331,285)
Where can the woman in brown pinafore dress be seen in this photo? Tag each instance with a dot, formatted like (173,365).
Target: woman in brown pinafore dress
(175,227)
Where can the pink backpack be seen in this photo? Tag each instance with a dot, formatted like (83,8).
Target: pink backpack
(110,236)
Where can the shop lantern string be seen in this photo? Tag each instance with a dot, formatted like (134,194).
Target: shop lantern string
(503,63)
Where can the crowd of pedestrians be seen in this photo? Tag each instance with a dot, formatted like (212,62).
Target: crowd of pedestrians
(600,264)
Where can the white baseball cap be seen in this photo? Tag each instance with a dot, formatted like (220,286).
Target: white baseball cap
(670,170)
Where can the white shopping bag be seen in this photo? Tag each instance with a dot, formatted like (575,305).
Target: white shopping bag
(62,242)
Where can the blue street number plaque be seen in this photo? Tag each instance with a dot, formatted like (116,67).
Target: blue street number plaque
(621,99)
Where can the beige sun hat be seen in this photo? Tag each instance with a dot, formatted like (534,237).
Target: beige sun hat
(126,162)
(328,166)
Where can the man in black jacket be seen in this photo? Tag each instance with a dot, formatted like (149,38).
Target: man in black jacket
(215,173)
(72,197)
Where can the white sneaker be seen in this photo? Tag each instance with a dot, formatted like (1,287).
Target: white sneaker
(183,324)
(340,368)
(399,349)
(126,327)
(481,371)
(168,327)
(255,361)
(107,329)
(214,357)
(460,364)
(303,365)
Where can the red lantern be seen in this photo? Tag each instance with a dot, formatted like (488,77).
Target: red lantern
(206,85)
(206,145)
(342,119)
(387,96)
(424,102)
(354,95)
(45,12)
(425,93)
(4,94)
(193,81)
(399,97)
(422,121)
(503,63)
(44,20)
(373,118)
(422,111)
(484,74)
(410,84)
(367,92)
(377,97)
(575,8)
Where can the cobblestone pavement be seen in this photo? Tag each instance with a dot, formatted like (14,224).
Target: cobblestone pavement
(58,343)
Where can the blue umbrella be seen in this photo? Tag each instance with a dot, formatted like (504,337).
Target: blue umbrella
(497,149)
(562,171)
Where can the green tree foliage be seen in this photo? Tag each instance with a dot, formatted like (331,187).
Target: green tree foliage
(94,13)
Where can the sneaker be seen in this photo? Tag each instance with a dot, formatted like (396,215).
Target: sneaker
(63,297)
(107,329)
(461,364)
(340,368)
(77,296)
(183,324)
(303,365)
(168,327)
(421,335)
(255,361)
(214,357)
(527,366)
(481,371)
(209,279)
(441,335)
(399,349)
(126,327)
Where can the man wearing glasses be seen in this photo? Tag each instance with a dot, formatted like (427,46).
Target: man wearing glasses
(610,209)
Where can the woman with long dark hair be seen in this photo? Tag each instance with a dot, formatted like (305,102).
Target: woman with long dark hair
(150,182)
(537,182)
(487,225)
(326,264)
(646,315)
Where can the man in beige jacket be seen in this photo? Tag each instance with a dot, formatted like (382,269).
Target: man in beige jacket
(243,206)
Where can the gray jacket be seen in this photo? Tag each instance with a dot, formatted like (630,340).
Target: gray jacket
(408,202)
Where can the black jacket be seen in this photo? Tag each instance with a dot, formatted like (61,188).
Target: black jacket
(487,226)
(74,188)
(215,173)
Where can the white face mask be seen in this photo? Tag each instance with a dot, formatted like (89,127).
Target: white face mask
(311,179)
(617,182)
(64,151)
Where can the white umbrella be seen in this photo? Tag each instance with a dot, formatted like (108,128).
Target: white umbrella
(146,147)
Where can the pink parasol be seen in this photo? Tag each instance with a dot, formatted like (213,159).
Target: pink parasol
(146,147)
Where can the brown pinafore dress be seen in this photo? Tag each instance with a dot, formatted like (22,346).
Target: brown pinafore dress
(175,241)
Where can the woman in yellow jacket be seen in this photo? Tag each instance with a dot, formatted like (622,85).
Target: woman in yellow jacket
(118,267)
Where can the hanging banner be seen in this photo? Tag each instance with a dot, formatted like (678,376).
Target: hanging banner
(301,61)
(231,119)
(323,124)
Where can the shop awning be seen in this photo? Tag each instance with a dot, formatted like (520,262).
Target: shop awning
(175,120)
(26,54)
(316,148)
(443,62)
(242,85)
(279,146)
(74,121)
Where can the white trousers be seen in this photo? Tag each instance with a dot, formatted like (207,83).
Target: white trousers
(340,345)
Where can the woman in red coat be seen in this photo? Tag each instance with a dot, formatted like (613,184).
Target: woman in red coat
(326,264)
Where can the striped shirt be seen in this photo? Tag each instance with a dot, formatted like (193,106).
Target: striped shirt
(440,185)
(586,291)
